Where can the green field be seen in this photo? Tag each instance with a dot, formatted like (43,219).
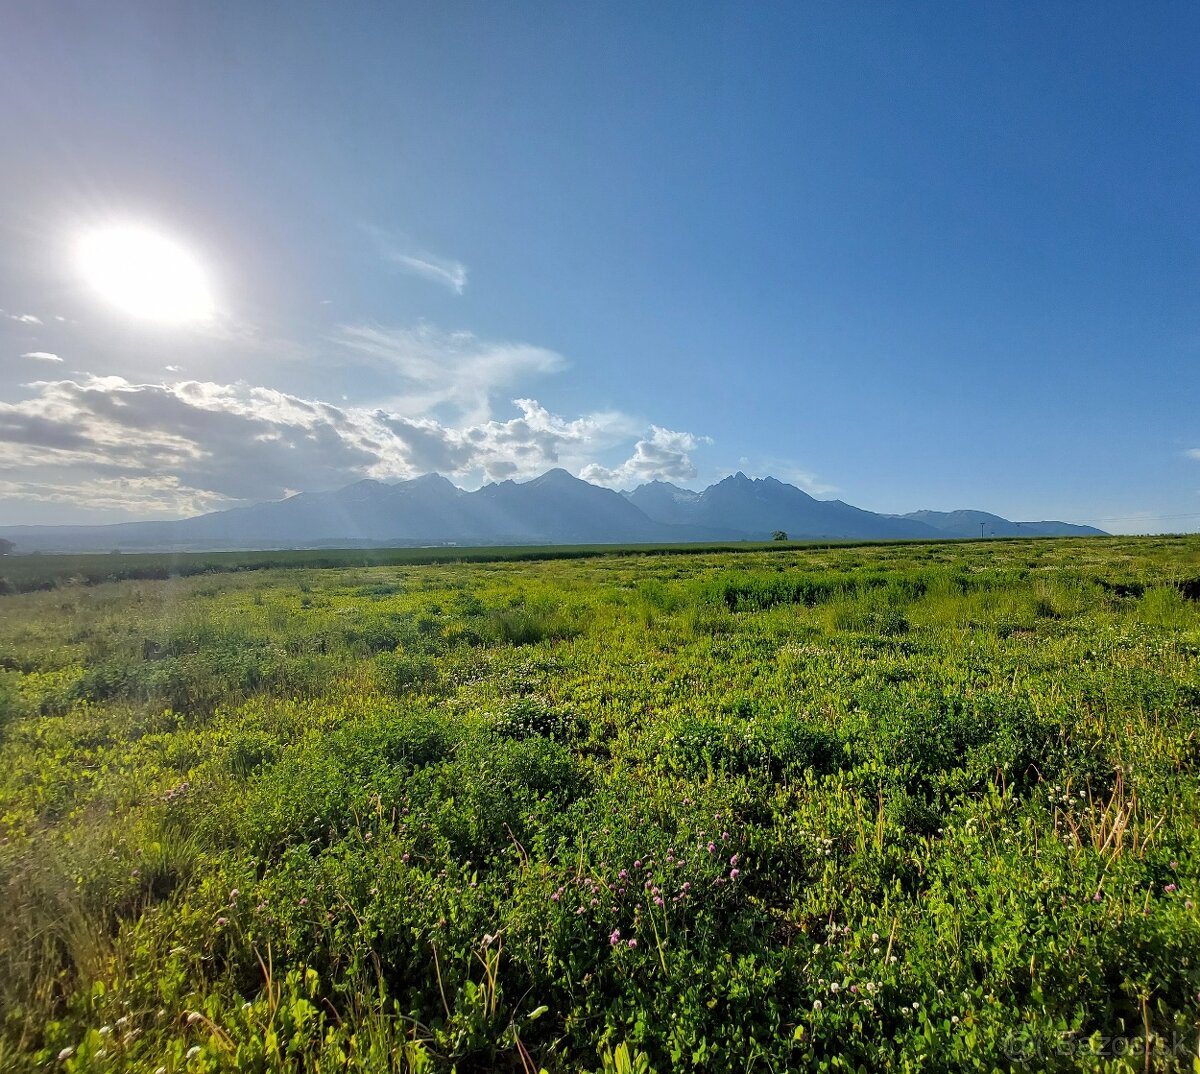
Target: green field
(911,807)
(28,573)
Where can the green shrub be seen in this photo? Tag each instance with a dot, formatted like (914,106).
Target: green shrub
(528,624)
(399,673)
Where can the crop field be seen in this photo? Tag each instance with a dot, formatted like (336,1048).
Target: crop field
(917,807)
(28,573)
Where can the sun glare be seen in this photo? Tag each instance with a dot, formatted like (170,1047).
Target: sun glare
(146,274)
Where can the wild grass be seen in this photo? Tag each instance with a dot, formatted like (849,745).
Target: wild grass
(912,807)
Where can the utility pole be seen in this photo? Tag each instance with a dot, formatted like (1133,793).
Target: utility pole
(981,525)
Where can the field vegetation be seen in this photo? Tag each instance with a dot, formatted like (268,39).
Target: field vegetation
(916,807)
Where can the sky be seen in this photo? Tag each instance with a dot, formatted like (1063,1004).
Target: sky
(906,255)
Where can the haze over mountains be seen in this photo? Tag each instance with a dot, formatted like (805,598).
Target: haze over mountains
(555,508)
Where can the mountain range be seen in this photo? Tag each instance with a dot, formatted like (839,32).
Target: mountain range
(555,508)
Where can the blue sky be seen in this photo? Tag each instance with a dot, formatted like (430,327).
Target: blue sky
(913,256)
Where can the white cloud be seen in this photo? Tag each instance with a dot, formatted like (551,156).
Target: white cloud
(41,356)
(451,274)
(146,497)
(445,369)
(524,446)
(181,448)
(663,455)
(538,440)
(445,271)
(784,470)
(1193,453)
(21,318)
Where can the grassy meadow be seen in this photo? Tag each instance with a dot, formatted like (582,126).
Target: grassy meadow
(913,807)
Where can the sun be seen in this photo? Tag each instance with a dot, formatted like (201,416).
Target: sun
(145,274)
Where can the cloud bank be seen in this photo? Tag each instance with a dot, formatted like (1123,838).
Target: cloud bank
(664,455)
(194,445)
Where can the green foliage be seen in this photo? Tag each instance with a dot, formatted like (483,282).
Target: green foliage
(399,673)
(10,700)
(911,807)
(529,623)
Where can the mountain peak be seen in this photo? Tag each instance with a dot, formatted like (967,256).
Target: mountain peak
(432,480)
(556,476)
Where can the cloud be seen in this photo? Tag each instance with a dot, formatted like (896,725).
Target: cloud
(195,445)
(664,455)
(451,274)
(523,446)
(455,370)
(1193,453)
(427,446)
(445,271)
(146,497)
(784,470)
(21,318)
(538,440)
(41,356)
(227,441)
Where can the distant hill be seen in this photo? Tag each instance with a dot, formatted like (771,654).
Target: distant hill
(555,508)
(759,506)
(983,524)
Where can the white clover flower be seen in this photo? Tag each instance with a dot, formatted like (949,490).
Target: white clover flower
(66,1053)
(192,1052)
